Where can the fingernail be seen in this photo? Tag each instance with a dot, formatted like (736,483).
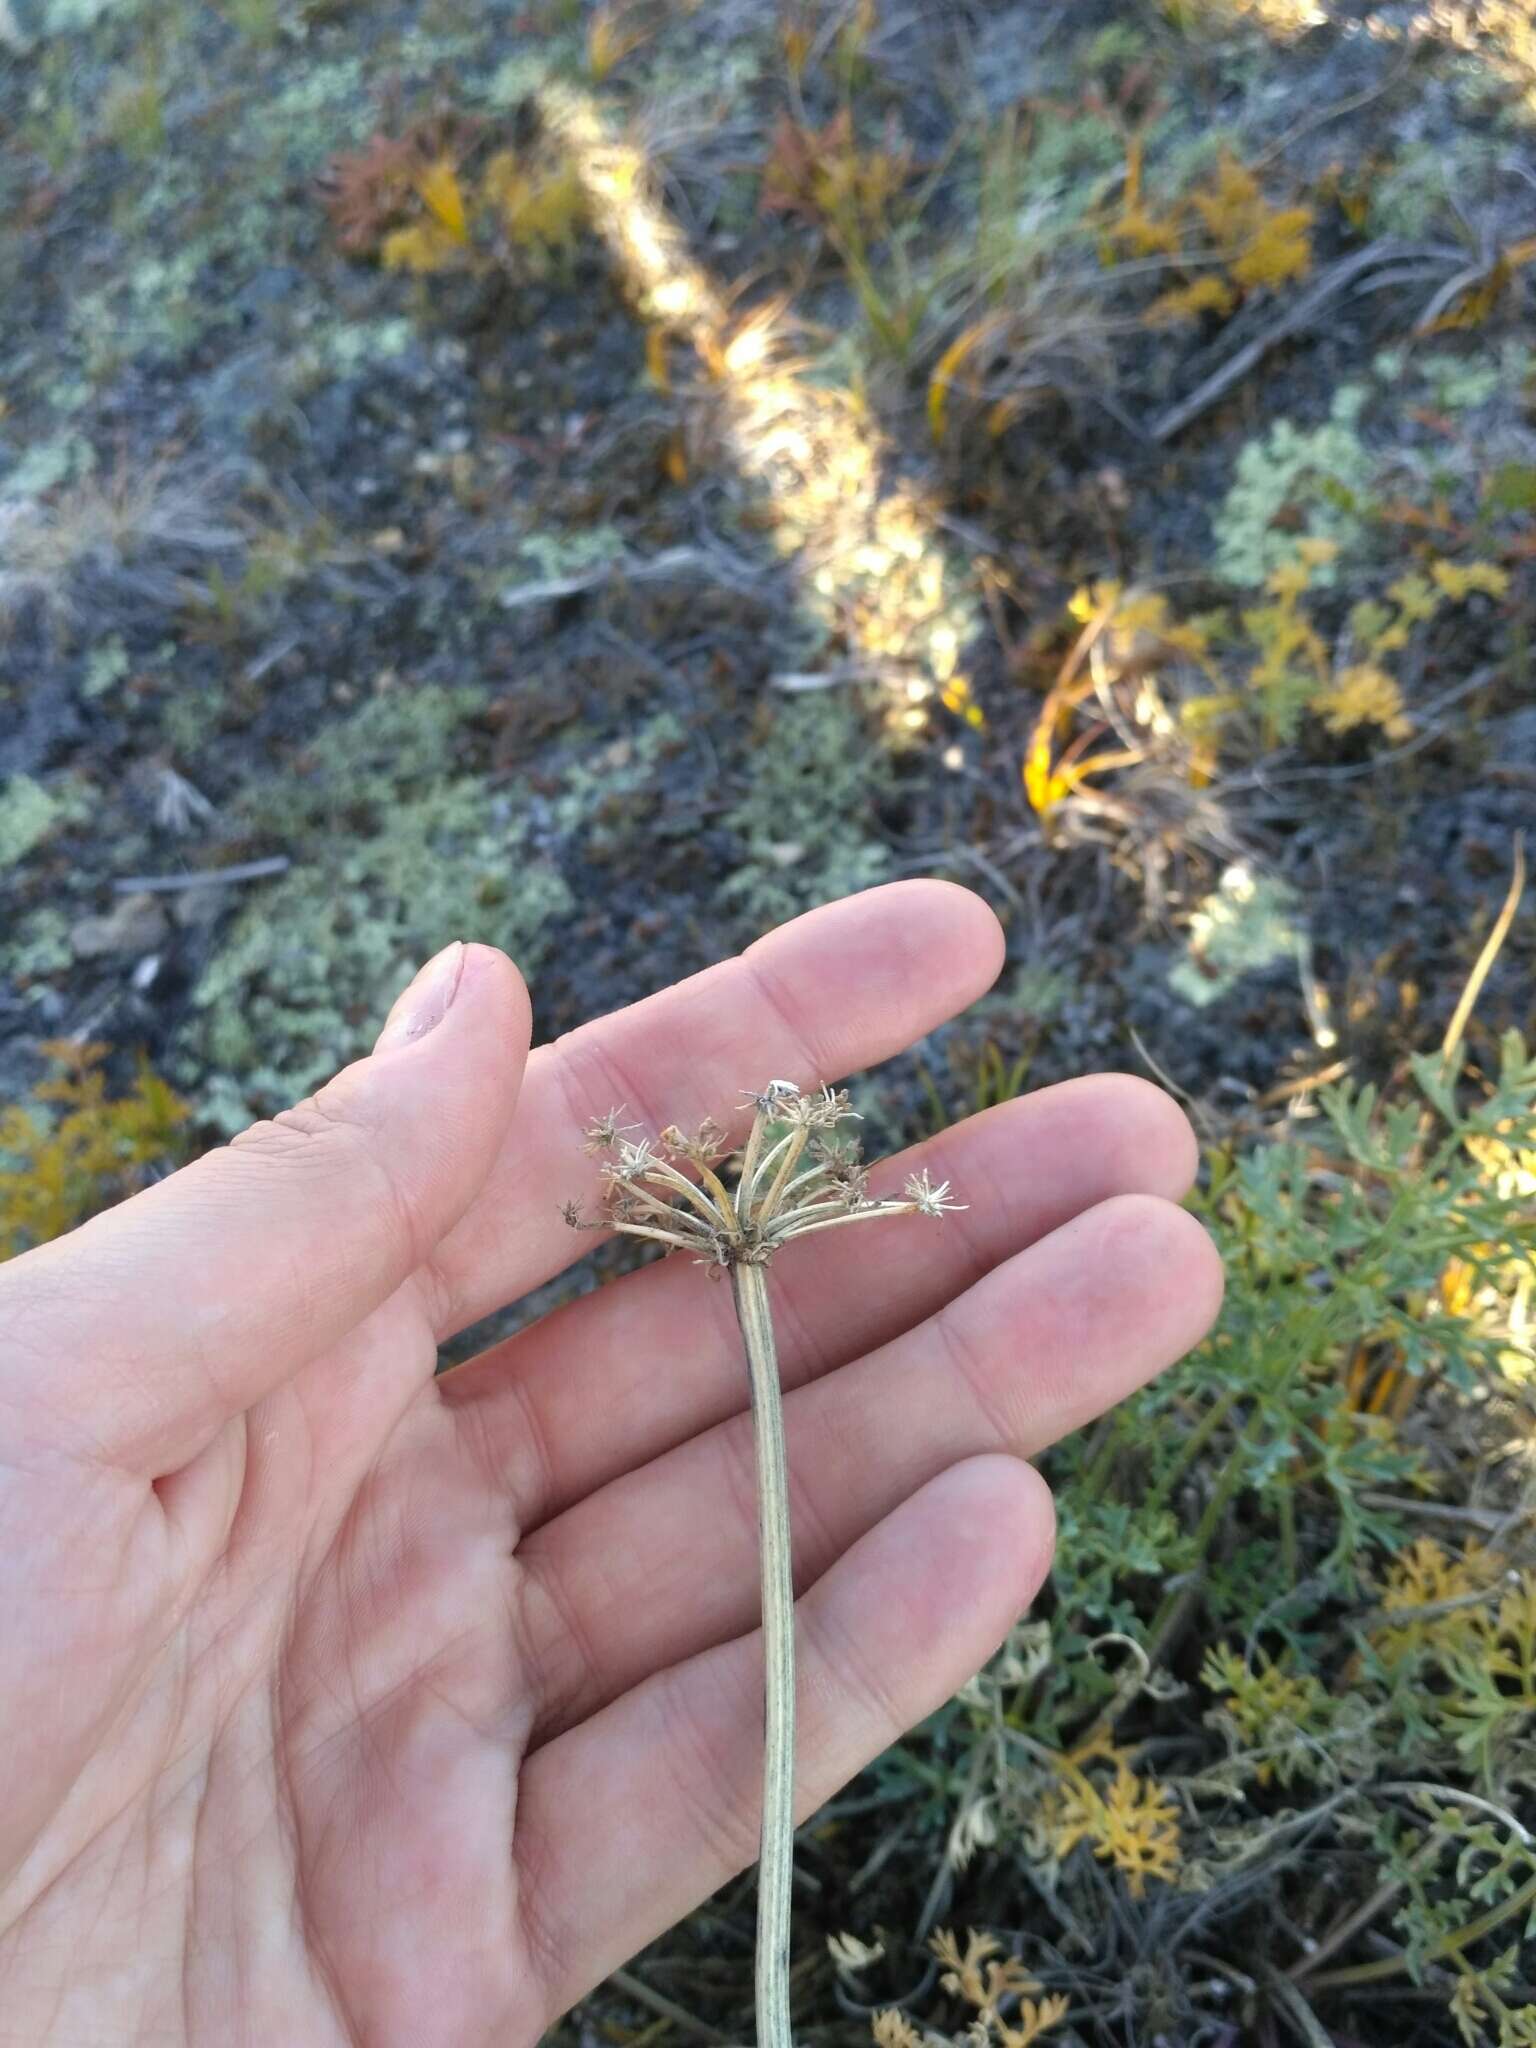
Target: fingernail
(426,1002)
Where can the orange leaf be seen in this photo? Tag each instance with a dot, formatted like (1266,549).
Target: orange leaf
(948,366)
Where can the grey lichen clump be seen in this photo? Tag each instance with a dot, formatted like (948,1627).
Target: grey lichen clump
(796,1175)
(807,817)
(395,840)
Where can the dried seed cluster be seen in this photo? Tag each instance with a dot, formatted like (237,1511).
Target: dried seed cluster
(798,1172)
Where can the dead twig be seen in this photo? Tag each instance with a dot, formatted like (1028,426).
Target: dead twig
(1485,959)
(717,565)
(203,878)
(1300,315)
(665,2008)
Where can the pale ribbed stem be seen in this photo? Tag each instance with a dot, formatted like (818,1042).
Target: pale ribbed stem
(776,1857)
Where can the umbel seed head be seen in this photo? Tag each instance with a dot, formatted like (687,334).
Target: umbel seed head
(796,1174)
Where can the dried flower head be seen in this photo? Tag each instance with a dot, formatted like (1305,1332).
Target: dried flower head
(604,1132)
(770,1100)
(797,1173)
(708,1142)
(927,1199)
(636,1158)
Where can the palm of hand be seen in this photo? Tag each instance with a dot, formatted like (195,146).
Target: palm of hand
(360,1706)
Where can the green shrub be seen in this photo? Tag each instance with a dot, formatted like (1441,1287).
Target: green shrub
(1286,1663)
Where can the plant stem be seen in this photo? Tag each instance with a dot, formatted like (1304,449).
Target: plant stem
(1192,1446)
(1205,1531)
(776,1854)
(1451,1944)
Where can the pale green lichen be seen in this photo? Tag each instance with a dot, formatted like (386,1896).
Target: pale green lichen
(614,774)
(318,109)
(806,816)
(1461,384)
(548,557)
(518,78)
(60,459)
(395,853)
(40,946)
(28,813)
(342,350)
(1247,923)
(106,664)
(1033,989)
(1429,184)
(157,304)
(1320,473)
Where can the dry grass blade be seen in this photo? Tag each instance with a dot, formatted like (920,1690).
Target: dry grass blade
(1483,966)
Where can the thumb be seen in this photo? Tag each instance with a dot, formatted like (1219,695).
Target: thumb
(134,1338)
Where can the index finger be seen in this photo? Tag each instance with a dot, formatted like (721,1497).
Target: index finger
(833,991)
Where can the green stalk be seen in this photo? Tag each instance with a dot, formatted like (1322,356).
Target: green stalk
(1448,1945)
(1205,1531)
(775,1868)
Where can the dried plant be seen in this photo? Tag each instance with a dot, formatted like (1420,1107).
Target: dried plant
(795,1175)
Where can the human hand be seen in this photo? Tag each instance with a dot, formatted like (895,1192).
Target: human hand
(342,1703)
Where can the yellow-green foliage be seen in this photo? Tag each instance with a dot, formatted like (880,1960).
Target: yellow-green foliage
(1400,1234)
(1128,1819)
(1224,236)
(1248,1639)
(1350,684)
(428,212)
(828,176)
(1215,677)
(534,208)
(998,1989)
(75,1149)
